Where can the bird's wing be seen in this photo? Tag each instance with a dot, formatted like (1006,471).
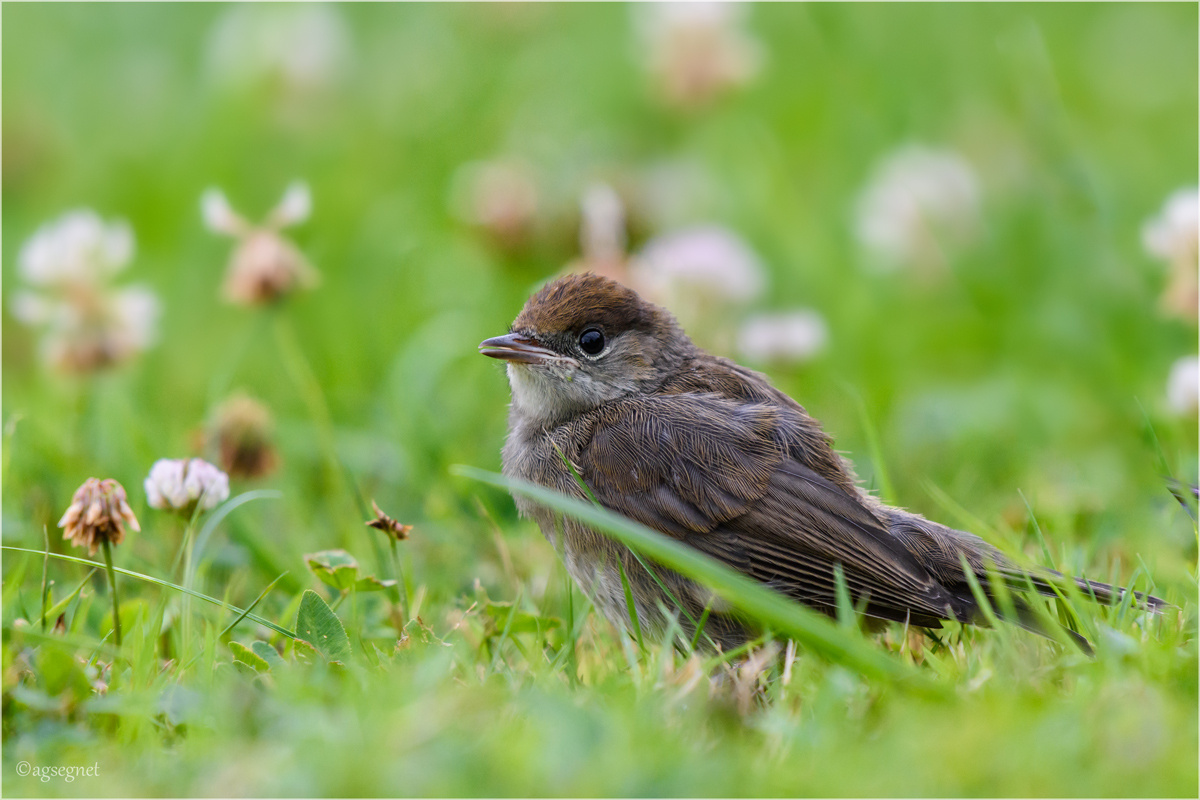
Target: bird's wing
(730,478)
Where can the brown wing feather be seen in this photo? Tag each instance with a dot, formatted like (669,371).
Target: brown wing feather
(718,474)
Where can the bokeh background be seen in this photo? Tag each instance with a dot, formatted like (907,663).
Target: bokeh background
(950,225)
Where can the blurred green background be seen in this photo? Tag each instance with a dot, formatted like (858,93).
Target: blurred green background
(1034,367)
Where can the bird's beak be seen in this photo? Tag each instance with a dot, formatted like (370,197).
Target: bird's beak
(518,348)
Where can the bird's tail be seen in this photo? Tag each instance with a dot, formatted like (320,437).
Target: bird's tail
(1051,583)
(1028,619)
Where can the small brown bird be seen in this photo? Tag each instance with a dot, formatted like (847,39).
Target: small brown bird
(708,452)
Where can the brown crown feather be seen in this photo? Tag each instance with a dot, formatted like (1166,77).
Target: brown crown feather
(574,301)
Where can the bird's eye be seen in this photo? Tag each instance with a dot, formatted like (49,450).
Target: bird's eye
(591,341)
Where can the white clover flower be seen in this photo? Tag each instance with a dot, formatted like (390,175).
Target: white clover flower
(107,328)
(793,336)
(499,196)
(707,260)
(301,46)
(694,52)
(264,266)
(135,312)
(85,323)
(1183,387)
(33,308)
(1173,236)
(918,203)
(77,247)
(181,484)
(704,275)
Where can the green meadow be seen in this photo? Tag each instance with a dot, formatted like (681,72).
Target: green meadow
(1014,384)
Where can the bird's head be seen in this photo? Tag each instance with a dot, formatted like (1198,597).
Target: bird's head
(582,341)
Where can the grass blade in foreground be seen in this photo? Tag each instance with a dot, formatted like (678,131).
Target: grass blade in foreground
(810,628)
(159,582)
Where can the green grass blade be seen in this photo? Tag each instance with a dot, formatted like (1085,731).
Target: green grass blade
(158,582)
(886,490)
(219,515)
(250,607)
(631,606)
(61,605)
(808,627)
(1038,530)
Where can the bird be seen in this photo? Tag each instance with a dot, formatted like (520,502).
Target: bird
(613,403)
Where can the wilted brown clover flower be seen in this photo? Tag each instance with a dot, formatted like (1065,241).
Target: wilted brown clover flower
(242,433)
(264,266)
(382,522)
(98,513)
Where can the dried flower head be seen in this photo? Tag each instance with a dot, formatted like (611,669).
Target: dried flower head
(793,336)
(391,527)
(98,513)
(500,197)
(242,432)
(86,323)
(918,204)
(182,484)
(264,266)
(1183,387)
(695,52)
(1174,236)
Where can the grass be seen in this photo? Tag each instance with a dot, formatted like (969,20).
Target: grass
(1021,396)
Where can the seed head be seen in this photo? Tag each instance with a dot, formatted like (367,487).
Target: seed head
(98,513)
